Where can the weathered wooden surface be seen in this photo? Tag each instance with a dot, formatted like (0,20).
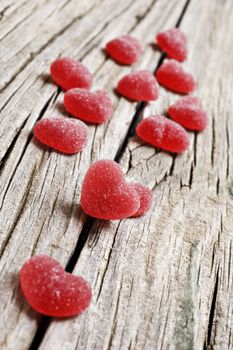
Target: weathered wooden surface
(163,281)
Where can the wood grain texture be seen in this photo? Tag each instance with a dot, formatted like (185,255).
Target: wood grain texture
(40,189)
(163,281)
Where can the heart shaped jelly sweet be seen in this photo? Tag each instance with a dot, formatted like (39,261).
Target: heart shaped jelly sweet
(69,73)
(174,43)
(63,134)
(188,112)
(163,133)
(92,107)
(125,49)
(52,291)
(105,193)
(172,76)
(139,86)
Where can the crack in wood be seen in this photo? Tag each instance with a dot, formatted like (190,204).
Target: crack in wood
(191,176)
(130,165)
(2,13)
(64,5)
(140,17)
(43,110)
(10,97)
(213,142)
(131,130)
(8,151)
(228,148)
(217,186)
(108,260)
(183,13)
(195,150)
(229,263)
(208,344)
(30,136)
(21,208)
(41,330)
(115,316)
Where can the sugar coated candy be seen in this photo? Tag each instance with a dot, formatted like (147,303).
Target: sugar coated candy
(172,76)
(163,133)
(92,107)
(174,43)
(145,196)
(63,134)
(188,112)
(105,193)
(125,49)
(52,291)
(139,86)
(70,73)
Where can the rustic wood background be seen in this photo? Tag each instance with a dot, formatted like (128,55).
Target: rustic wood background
(162,281)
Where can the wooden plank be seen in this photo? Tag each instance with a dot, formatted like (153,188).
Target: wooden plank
(41,189)
(13,14)
(44,22)
(164,281)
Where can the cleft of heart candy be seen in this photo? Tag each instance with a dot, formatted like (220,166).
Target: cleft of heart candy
(106,195)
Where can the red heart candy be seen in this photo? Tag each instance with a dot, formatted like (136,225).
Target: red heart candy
(50,290)
(145,196)
(106,195)
(163,133)
(69,73)
(188,112)
(124,49)
(174,43)
(65,135)
(173,77)
(93,107)
(139,86)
